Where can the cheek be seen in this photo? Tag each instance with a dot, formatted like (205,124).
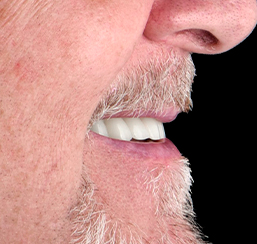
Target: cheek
(85,51)
(74,50)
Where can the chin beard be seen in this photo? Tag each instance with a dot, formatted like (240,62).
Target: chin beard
(162,82)
(174,213)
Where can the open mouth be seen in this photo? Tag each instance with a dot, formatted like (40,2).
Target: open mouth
(130,129)
(134,166)
(138,137)
(139,175)
(141,98)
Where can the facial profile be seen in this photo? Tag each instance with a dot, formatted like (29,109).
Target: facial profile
(85,89)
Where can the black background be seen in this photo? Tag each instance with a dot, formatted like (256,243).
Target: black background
(218,138)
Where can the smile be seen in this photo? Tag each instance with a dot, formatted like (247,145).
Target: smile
(127,129)
(140,136)
(126,147)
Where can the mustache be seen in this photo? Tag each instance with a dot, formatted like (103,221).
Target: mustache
(162,82)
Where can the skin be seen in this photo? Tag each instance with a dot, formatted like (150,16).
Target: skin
(57,58)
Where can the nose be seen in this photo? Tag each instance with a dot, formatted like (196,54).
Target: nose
(201,26)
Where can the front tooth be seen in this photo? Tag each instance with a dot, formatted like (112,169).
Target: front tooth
(100,128)
(118,129)
(155,128)
(137,128)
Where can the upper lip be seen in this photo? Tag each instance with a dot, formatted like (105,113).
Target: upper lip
(164,116)
(159,89)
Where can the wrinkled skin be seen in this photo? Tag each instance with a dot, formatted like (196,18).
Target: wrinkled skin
(57,58)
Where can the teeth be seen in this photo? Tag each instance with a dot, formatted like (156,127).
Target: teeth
(137,128)
(100,128)
(118,129)
(154,127)
(128,128)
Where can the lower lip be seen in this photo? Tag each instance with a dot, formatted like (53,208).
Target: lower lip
(161,153)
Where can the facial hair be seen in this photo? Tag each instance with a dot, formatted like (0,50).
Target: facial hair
(173,209)
(161,83)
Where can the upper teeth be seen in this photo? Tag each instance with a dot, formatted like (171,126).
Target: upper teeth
(128,128)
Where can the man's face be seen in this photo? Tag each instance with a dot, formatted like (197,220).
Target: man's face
(69,173)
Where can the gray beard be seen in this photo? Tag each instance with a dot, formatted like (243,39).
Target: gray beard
(173,210)
(154,86)
(159,84)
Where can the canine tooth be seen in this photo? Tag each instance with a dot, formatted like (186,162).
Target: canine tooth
(128,128)
(118,129)
(137,128)
(100,128)
(155,128)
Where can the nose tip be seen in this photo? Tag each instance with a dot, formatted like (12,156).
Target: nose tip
(201,26)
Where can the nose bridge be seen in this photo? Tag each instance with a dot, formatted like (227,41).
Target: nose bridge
(202,26)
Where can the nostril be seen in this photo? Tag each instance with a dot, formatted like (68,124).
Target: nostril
(200,37)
